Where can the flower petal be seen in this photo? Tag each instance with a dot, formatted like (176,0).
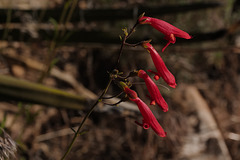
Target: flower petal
(148,117)
(167,29)
(156,96)
(160,66)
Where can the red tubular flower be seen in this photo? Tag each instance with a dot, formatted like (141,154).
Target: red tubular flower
(160,66)
(156,96)
(170,31)
(149,119)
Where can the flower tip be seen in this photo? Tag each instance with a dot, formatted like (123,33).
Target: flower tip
(163,134)
(187,36)
(165,109)
(173,85)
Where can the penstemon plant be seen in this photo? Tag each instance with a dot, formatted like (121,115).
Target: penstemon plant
(149,120)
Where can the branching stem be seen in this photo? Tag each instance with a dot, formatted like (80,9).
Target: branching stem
(101,97)
(126,36)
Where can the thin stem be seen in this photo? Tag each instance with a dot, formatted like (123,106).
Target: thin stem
(126,36)
(134,45)
(132,30)
(117,95)
(85,118)
(114,104)
(74,4)
(124,42)
(64,13)
(70,13)
(53,44)
(121,50)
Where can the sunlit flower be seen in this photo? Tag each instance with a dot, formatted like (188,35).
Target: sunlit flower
(149,119)
(155,94)
(162,70)
(170,31)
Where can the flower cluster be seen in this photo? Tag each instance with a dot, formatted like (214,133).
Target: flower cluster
(149,120)
(156,98)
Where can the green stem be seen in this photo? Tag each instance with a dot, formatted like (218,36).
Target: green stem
(85,118)
(74,4)
(69,16)
(65,9)
(53,44)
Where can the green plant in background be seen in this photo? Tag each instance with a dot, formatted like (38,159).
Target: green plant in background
(59,36)
(7,145)
(7,90)
(216,59)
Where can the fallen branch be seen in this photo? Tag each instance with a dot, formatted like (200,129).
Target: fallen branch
(21,90)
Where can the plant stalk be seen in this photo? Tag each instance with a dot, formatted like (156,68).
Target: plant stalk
(85,118)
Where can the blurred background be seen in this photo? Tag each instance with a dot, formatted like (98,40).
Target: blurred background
(72,45)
